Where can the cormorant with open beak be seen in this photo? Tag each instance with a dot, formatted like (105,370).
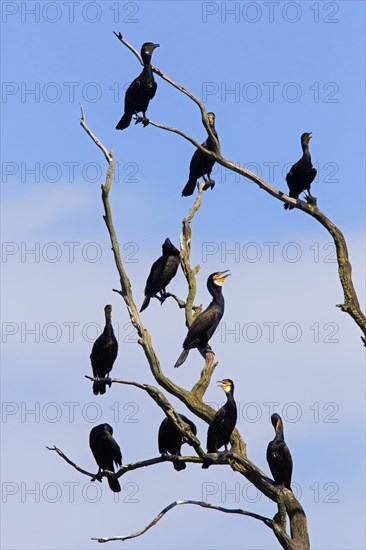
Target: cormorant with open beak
(223,423)
(302,173)
(140,91)
(203,326)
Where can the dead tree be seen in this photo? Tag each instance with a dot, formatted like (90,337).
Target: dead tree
(288,507)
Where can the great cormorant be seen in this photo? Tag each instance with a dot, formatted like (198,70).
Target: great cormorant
(279,456)
(223,423)
(106,451)
(161,273)
(302,173)
(104,353)
(140,91)
(201,164)
(203,326)
(170,440)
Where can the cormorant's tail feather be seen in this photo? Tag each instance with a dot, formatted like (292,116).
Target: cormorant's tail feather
(189,188)
(145,303)
(99,387)
(124,122)
(114,484)
(183,356)
(179,465)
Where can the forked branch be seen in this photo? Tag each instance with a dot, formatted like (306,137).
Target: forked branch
(280,534)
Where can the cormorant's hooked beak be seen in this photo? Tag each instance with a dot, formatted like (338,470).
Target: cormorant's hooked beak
(220,276)
(155,46)
(224,384)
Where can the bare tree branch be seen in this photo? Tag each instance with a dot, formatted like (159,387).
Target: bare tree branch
(185,257)
(269,522)
(108,154)
(133,466)
(200,387)
(81,470)
(218,459)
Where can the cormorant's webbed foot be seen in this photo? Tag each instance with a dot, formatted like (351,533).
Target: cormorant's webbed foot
(205,350)
(310,199)
(145,121)
(223,454)
(108,381)
(209,183)
(163,296)
(98,476)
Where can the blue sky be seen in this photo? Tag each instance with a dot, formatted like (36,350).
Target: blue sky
(269,71)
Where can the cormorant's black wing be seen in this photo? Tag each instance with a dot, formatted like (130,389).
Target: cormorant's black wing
(131,95)
(214,431)
(113,449)
(152,86)
(292,179)
(156,272)
(190,423)
(280,462)
(169,439)
(203,327)
(313,173)
(95,355)
(194,173)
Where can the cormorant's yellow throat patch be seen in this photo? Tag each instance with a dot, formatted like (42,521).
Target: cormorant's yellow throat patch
(220,277)
(225,385)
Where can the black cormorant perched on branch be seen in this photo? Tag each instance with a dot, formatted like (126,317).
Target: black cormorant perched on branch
(203,326)
(161,273)
(171,441)
(140,91)
(223,423)
(279,456)
(302,173)
(106,451)
(104,353)
(201,164)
